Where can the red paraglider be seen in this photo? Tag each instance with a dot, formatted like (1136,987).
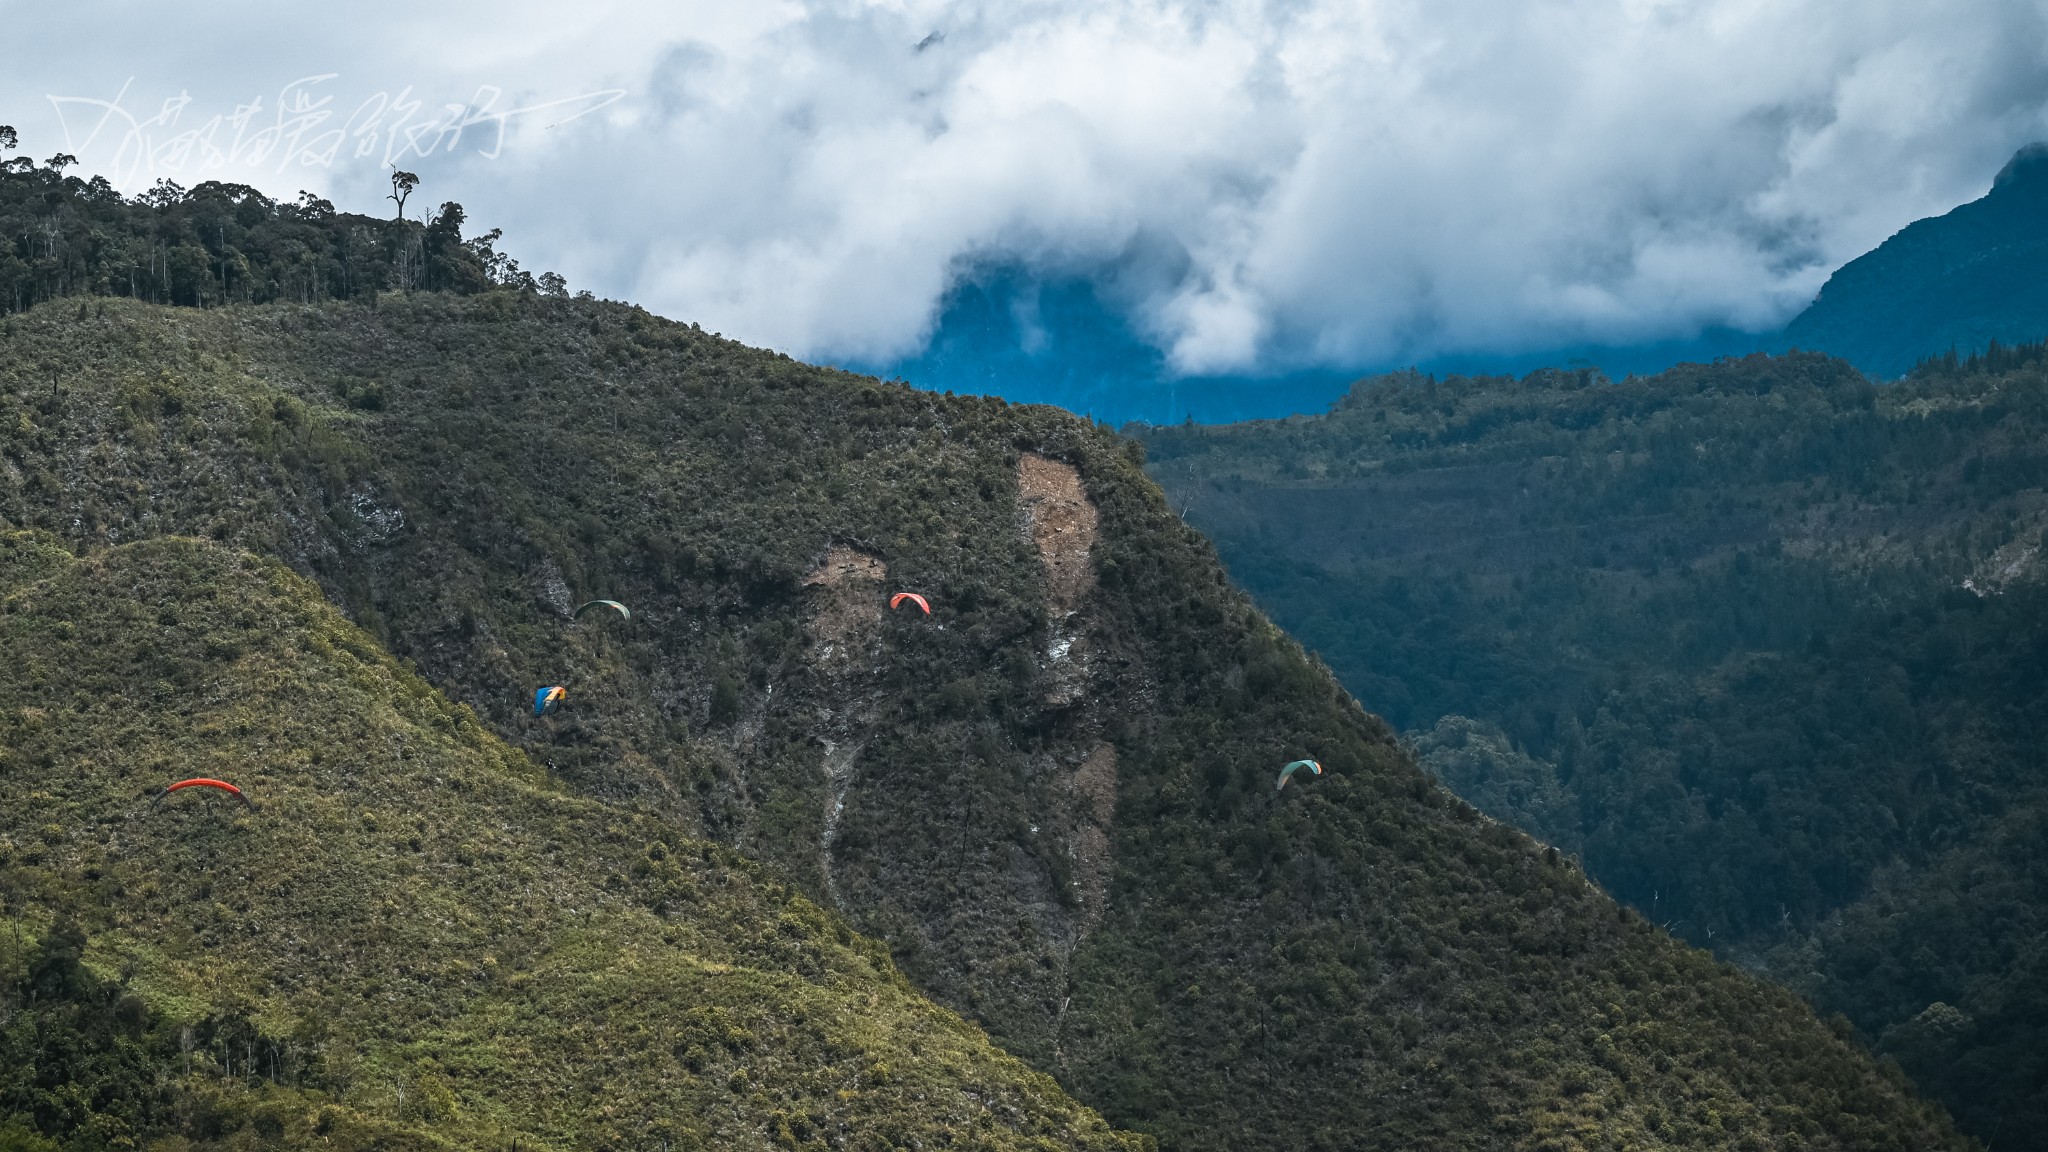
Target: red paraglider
(206,782)
(897,600)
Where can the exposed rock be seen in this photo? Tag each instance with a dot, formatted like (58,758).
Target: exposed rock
(1061,522)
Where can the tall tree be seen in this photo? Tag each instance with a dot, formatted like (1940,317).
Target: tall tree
(402,184)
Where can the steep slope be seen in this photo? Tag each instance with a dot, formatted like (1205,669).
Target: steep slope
(413,943)
(1763,641)
(1053,797)
(1957,282)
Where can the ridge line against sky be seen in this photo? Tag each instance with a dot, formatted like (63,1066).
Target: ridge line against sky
(1267,186)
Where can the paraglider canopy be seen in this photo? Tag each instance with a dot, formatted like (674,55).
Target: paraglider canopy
(1314,768)
(614,605)
(205,782)
(546,700)
(897,600)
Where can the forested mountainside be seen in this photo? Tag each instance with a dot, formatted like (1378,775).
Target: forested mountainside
(1053,797)
(1763,641)
(414,941)
(1958,282)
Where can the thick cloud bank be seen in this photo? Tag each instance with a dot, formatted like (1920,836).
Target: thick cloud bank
(1269,185)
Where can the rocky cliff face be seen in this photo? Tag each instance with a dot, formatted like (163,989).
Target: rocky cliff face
(1052,797)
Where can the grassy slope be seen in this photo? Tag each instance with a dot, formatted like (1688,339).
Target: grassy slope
(1362,962)
(1711,628)
(438,949)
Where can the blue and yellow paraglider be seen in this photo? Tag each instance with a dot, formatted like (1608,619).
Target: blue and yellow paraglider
(1288,772)
(546,700)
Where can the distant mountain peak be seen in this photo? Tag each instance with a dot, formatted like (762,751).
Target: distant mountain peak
(2028,166)
(1957,281)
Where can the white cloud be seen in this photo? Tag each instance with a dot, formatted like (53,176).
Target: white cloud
(1305,181)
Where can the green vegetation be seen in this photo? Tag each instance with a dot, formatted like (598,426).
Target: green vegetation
(218,243)
(1063,825)
(415,943)
(1761,640)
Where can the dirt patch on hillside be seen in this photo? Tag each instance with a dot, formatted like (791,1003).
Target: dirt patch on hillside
(1062,521)
(846,597)
(1094,785)
(838,763)
(843,565)
(843,622)
(1095,782)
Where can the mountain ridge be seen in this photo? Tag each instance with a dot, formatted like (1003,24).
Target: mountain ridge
(1955,283)
(1362,961)
(1958,282)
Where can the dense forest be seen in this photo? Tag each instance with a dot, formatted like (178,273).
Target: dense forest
(221,243)
(1763,641)
(1052,800)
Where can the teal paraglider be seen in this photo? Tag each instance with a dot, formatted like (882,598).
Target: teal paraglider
(1314,768)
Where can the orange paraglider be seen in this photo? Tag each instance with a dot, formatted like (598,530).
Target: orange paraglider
(897,600)
(205,782)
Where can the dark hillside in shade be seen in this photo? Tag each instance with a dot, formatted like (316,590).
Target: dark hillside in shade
(1764,641)
(1053,798)
(1957,282)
